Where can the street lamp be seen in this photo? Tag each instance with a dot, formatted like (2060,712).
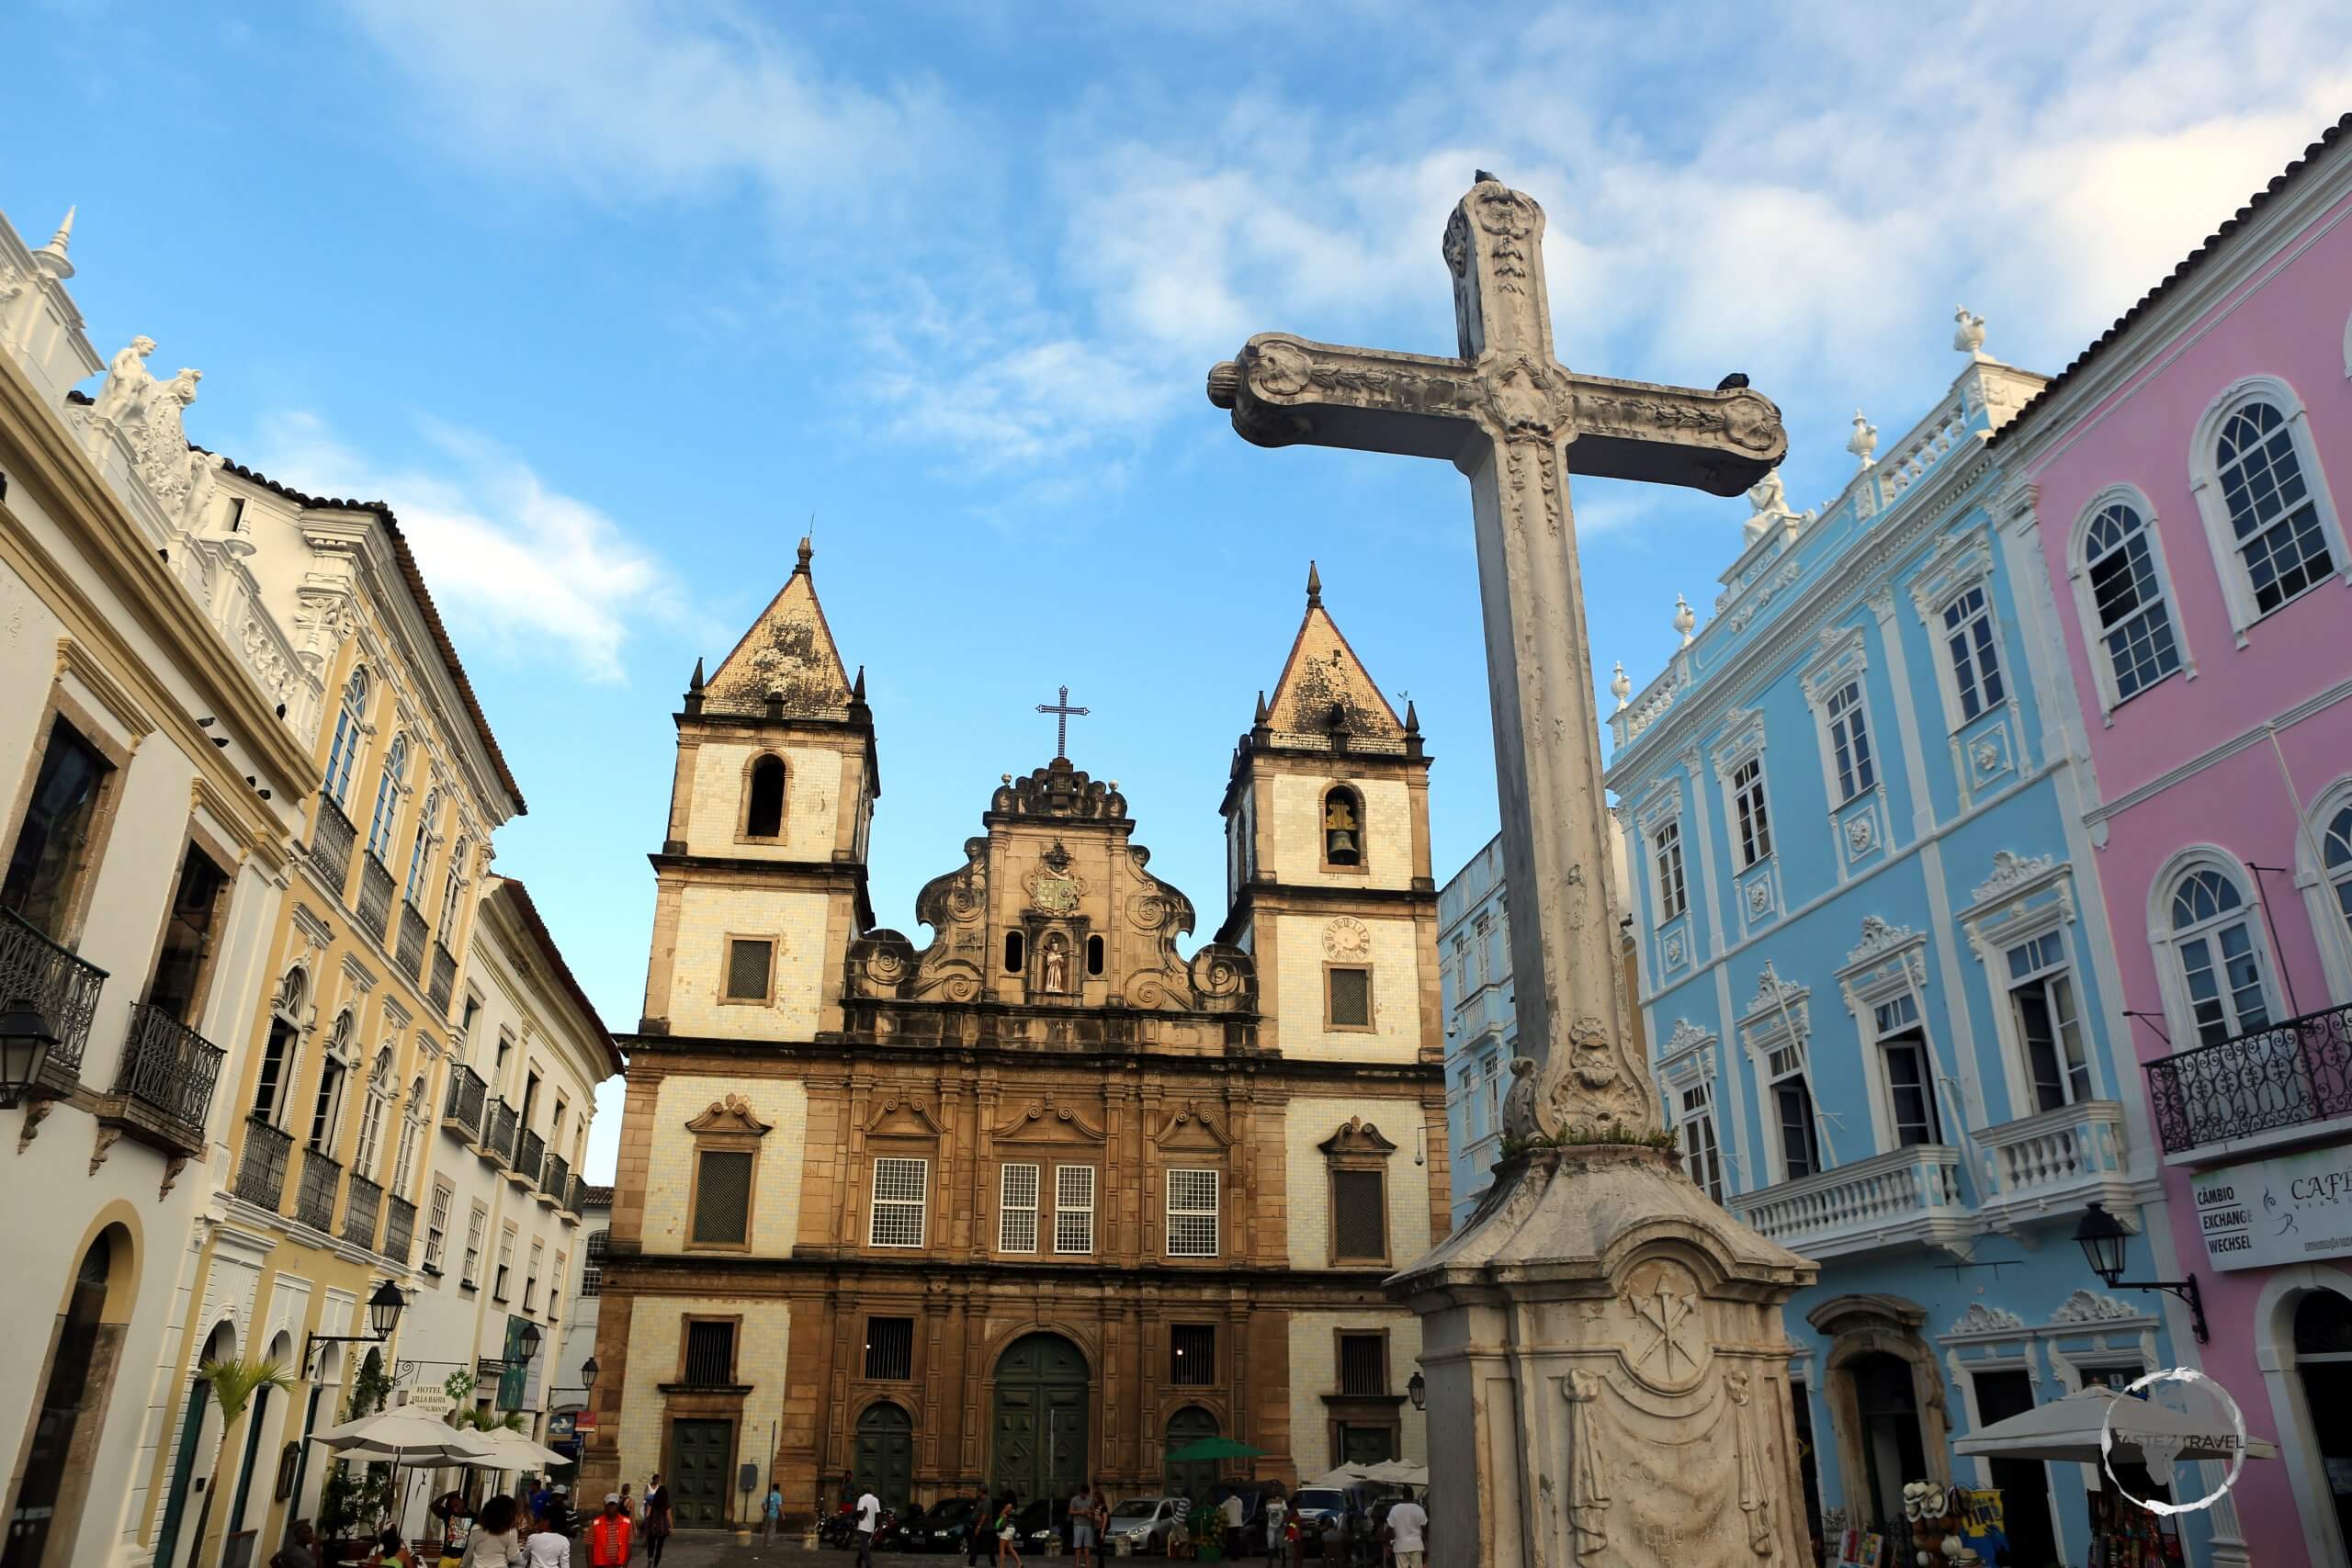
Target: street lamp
(588,1374)
(25,1040)
(384,1310)
(527,1340)
(1416,1389)
(2103,1238)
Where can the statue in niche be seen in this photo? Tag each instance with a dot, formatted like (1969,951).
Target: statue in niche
(129,381)
(1053,965)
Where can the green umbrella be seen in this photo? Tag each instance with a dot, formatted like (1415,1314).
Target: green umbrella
(1214,1447)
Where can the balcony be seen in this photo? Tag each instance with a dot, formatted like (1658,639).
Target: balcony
(164,1090)
(330,840)
(1888,1202)
(1486,1012)
(314,1192)
(555,1181)
(2050,1166)
(445,979)
(400,1230)
(359,1215)
(261,1174)
(498,1137)
(2280,1085)
(375,896)
(530,1156)
(462,1113)
(411,951)
(63,987)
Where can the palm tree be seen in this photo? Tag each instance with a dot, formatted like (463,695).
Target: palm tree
(233,1385)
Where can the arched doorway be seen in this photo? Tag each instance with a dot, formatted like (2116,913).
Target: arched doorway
(884,1460)
(57,1461)
(1039,1448)
(199,1435)
(1888,1408)
(1190,1478)
(2323,1368)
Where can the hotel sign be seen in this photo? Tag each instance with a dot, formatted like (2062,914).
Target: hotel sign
(2268,1213)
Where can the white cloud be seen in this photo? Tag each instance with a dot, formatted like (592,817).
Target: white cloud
(539,571)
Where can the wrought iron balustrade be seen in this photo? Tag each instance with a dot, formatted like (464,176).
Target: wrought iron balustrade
(359,1213)
(2271,1079)
(314,1191)
(467,1094)
(530,1155)
(375,907)
(400,1230)
(57,982)
(332,838)
(260,1173)
(556,1180)
(445,979)
(576,1194)
(169,1067)
(499,1137)
(411,948)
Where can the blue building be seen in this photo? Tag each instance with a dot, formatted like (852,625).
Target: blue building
(1876,978)
(1481,1027)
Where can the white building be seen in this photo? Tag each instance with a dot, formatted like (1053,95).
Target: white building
(570,1420)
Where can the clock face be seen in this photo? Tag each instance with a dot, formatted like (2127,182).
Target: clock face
(1347,938)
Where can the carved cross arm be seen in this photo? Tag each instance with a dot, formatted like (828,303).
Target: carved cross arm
(1718,442)
(1287,391)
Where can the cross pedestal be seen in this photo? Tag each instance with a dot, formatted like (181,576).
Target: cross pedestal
(1608,1375)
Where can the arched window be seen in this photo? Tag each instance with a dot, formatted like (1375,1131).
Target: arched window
(763,798)
(371,1122)
(412,1132)
(2220,963)
(284,1034)
(1012,953)
(2274,517)
(2335,861)
(2124,591)
(451,887)
(1342,828)
(1094,955)
(387,799)
(420,848)
(349,735)
(327,1109)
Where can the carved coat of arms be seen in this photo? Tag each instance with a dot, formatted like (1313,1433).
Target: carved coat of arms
(1053,885)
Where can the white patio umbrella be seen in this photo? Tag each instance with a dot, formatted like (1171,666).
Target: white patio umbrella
(513,1450)
(401,1436)
(1345,1476)
(2067,1431)
(1397,1473)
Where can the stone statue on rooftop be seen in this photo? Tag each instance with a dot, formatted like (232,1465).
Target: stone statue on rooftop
(1770,499)
(129,381)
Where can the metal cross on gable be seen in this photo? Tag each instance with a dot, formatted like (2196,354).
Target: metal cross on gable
(1061,710)
(1516,422)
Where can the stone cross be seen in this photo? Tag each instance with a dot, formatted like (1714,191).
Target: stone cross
(1061,710)
(1516,422)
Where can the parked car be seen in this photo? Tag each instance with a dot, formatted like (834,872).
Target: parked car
(1039,1523)
(1320,1511)
(897,1528)
(946,1527)
(1145,1522)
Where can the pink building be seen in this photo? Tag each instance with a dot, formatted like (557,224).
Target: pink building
(2182,482)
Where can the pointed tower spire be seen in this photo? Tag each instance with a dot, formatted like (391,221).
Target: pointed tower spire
(1314,587)
(1412,719)
(1325,688)
(51,258)
(857,687)
(1261,718)
(694,684)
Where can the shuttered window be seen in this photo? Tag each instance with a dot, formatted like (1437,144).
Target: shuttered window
(1359,1215)
(748,963)
(1350,1001)
(723,1197)
(1016,1225)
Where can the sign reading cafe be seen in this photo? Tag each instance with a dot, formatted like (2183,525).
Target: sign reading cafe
(2290,1209)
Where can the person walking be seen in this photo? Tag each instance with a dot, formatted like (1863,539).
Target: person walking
(1277,1513)
(772,1513)
(979,1538)
(608,1535)
(547,1546)
(1408,1532)
(869,1520)
(657,1519)
(1008,1545)
(492,1542)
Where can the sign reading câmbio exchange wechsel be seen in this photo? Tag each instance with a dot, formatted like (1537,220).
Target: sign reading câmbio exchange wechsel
(2288,1209)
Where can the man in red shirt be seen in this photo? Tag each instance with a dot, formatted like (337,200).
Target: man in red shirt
(608,1535)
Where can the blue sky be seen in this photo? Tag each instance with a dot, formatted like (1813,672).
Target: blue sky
(609,298)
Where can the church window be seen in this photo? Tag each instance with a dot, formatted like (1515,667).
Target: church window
(436,1225)
(1012,953)
(476,1224)
(2042,998)
(1359,1216)
(1094,955)
(388,800)
(1347,996)
(890,1349)
(2220,963)
(1850,741)
(900,1187)
(1363,1365)
(349,735)
(2127,594)
(2274,517)
(709,1359)
(1016,1229)
(1910,1072)
(1192,1359)
(763,798)
(1748,805)
(1073,1208)
(1342,829)
(1976,653)
(751,962)
(52,852)
(1665,854)
(1192,1213)
(722,1197)
(1701,1156)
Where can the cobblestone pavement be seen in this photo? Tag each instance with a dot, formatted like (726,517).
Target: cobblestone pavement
(717,1548)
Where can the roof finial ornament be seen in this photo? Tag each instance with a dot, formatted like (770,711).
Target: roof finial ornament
(1314,587)
(806,551)
(1412,719)
(857,687)
(695,684)
(1263,714)
(1620,686)
(1864,443)
(51,258)
(1968,337)
(1685,617)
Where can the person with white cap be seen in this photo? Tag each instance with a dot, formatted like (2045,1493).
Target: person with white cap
(608,1536)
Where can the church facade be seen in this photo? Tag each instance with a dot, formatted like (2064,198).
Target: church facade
(1041,1198)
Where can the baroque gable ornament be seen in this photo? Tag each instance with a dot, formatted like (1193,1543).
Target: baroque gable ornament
(1982,1319)
(1879,939)
(1356,1136)
(2012,871)
(2089,1306)
(731,1114)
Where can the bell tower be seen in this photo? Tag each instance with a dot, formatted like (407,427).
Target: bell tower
(761,881)
(1327,860)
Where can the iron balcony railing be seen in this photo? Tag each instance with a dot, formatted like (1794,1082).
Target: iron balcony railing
(463,1111)
(359,1213)
(375,896)
(2266,1080)
(571,1197)
(530,1155)
(314,1192)
(64,987)
(399,1229)
(499,1137)
(261,1174)
(169,1067)
(445,979)
(556,1180)
(411,943)
(330,840)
